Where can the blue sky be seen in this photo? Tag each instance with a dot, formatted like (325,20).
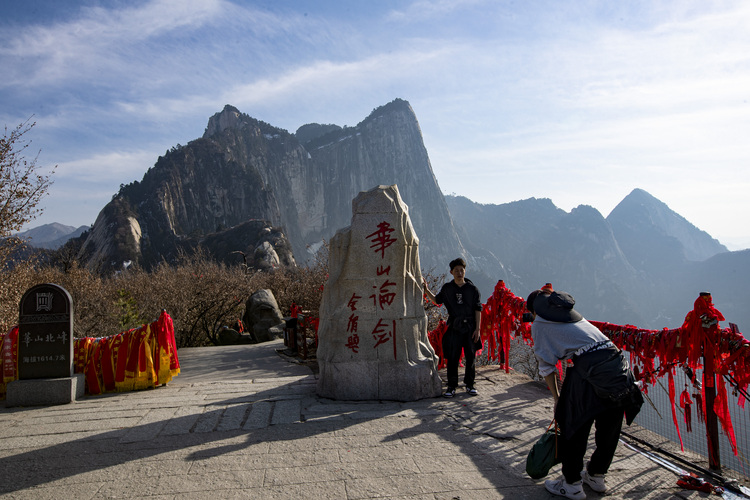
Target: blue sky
(576,101)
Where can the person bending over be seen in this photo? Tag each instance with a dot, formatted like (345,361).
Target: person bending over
(599,388)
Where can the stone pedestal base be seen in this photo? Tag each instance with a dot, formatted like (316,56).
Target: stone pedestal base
(45,391)
(376,380)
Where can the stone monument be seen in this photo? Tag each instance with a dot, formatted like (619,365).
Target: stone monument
(45,350)
(373,328)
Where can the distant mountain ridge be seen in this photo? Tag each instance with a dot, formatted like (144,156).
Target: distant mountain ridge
(51,236)
(643,265)
(639,215)
(247,186)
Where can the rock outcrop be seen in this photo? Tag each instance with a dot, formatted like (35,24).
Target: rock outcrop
(263,317)
(373,327)
(244,170)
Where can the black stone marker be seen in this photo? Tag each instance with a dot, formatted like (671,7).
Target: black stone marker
(45,333)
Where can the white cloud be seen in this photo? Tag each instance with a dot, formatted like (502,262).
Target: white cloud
(631,95)
(82,48)
(429,9)
(328,78)
(112,168)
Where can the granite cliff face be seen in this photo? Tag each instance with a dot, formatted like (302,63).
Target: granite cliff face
(385,149)
(244,170)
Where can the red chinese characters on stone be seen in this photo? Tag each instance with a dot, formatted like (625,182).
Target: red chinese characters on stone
(352,325)
(353,302)
(383,332)
(353,343)
(384,296)
(381,239)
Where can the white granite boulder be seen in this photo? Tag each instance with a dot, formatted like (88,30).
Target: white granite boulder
(373,328)
(262,314)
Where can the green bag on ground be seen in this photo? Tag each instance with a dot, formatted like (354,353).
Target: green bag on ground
(544,454)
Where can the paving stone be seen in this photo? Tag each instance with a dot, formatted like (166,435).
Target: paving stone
(260,416)
(286,412)
(232,417)
(149,426)
(213,440)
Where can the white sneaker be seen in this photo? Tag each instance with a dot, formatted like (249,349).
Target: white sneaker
(562,488)
(595,481)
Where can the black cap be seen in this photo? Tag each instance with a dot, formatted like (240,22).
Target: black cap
(557,306)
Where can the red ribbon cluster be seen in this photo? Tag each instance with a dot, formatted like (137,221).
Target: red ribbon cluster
(140,358)
(502,316)
(692,482)
(9,358)
(137,359)
(724,352)
(436,341)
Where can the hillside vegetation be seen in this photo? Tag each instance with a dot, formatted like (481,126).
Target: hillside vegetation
(200,294)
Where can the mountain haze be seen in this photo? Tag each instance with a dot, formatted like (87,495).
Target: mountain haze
(535,242)
(640,216)
(248,188)
(643,265)
(52,235)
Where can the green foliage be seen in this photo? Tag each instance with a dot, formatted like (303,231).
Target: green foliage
(128,308)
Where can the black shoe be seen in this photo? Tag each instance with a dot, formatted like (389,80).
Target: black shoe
(471,391)
(450,392)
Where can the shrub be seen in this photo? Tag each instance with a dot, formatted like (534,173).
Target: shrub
(201,295)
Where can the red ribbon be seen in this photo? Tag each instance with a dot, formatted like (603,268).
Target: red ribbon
(502,319)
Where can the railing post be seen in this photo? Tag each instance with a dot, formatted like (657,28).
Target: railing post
(709,388)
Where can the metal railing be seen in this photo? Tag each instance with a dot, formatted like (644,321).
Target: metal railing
(656,415)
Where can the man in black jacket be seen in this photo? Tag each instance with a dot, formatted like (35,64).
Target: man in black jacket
(464,305)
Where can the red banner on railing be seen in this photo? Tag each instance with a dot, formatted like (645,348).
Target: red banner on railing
(140,358)
(9,358)
(502,319)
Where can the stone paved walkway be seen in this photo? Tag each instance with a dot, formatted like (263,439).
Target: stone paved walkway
(243,422)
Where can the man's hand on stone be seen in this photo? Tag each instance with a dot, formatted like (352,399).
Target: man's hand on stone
(427,292)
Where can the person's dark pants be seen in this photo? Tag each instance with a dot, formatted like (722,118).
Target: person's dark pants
(606,437)
(453,345)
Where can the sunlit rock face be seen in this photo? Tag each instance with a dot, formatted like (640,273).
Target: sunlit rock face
(243,169)
(373,328)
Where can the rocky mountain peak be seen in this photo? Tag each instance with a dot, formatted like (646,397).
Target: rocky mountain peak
(647,218)
(244,169)
(249,189)
(229,117)
(51,236)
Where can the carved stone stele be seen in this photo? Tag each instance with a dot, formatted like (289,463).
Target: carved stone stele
(373,328)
